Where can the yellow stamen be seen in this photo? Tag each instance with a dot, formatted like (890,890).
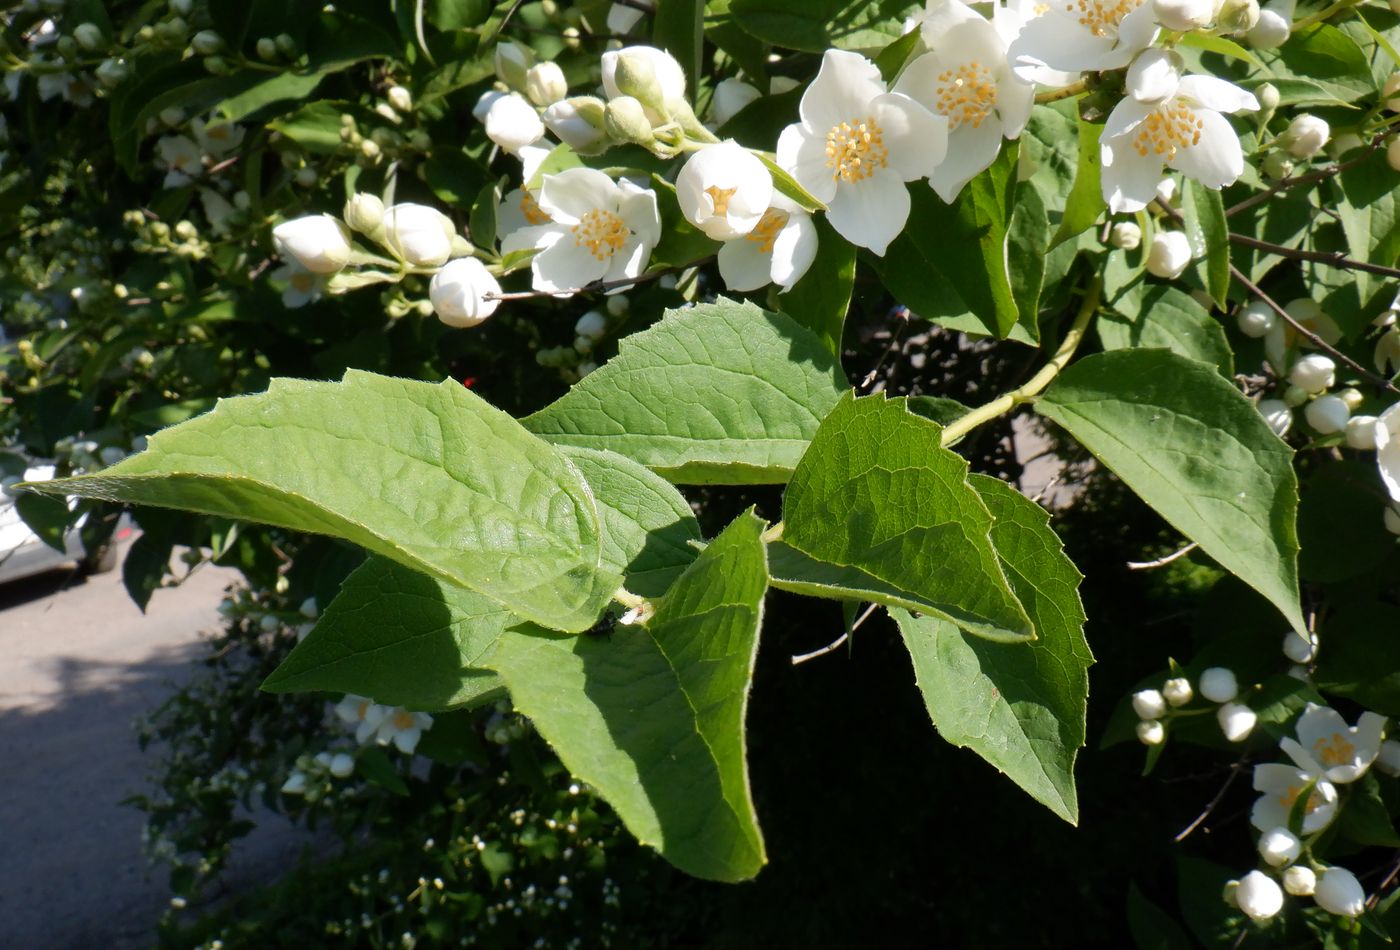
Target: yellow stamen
(855,150)
(765,233)
(1334,750)
(1101,16)
(1167,130)
(602,232)
(967,94)
(720,196)
(530,208)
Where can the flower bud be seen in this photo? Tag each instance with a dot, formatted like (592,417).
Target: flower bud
(545,83)
(112,72)
(1277,414)
(1314,373)
(647,74)
(1169,255)
(512,123)
(342,764)
(1149,704)
(1126,235)
(1218,684)
(317,242)
(89,36)
(400,98)
(1268,96)
(578,123)
(1238,16)
(1327,414)
(1298,647)
(285,44)
(418,234)
(1299,880)
(592,325)
(459,290)
(364,212)
(207,43)
(1390,92)
(626,121)
(1305,136)
(1391,519)
(181,7)
(1277,165)
(1272,31)
(1279,846)
(1151,732)
(1295,396)
(1339,892)
(1183,16)
(1256,319)
(266,48)
(729,99)
(1361,433)
(513,61)
(306,177)
(1388,761)
(1236,720)
(724,190)
(1177,691)
(1259,896)
(1392,154)
(295,784)
(485,102)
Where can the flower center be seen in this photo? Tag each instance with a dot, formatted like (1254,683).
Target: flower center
(403,719)
(720,197)
(854,150)
(304,282)
(1287,799)
(1101,17)
(766,231)
(530,208)
(966,94)
(1335,750)
(1167,130)
(602,232)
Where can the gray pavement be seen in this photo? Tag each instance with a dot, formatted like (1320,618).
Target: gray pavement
(78,663)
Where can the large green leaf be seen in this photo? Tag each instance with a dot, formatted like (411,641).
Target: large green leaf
(1196,450)
(722,393)
(879,510)
(1019,706)
(1171,319)
(1085,201)
(427,475)
(653,717)
(816,25)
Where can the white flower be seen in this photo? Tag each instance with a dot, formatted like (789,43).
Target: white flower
(1339,892)
(1151,732)
(1149,703)
(545,83)
(364,212)
(1281,785)
(1326,744)
(364,714)
(857,145)
(459,290)
(217,210)
(301,285)
(485,102)
(1313,373)
(598,230)
(1259,896)
(1169,254)
(1177,691)
(1279,846)
(1388,761)
(342,764)
(1126,235)
(403,728)
(180,157)
(622,18)
(1387,355)
(578,123)
(419,234)
(1305,136)
(512,123)
(1388,449)
(779,249)
(1256,319)
(400,98)
(966,79)
(1237,721)
(295,783)
(1361,432)
(1299,880)
(1327,414)
(1274,26)
(729,99)
(1218,684)
(1154,75)
(1298,647)
(592,325)
(724,190)
(1185,131)
(1080,35)
(318,242)
(1183,16)
(518,209)
(217,138)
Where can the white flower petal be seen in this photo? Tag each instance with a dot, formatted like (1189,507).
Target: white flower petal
(802,154)
(794,249)
(1217,159)
(845,84)
(1129,179)
(917,139)
(872,212)
(571,194)
(970,150)
(744,265)
(637,208)
(629,260)
(1217,94)
(565,266)
(1056,40)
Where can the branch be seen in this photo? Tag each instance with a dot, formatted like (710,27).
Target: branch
(1333,258)
(1068,92)
(1214,803)
(834,644)
(1162,561)
(1312,177)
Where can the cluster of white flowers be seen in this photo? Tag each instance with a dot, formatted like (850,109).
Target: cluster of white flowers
(1156,707)
(383,725)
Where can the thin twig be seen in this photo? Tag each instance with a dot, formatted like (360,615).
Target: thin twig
(1322,174)
(598,285)
(1214,803)
(1388,880)
(1162,561)
(1068,92)
(835,644)
(1331,258)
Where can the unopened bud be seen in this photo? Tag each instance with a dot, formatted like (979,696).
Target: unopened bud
(1125,235)
(1361,432)
(1300,881)
(1314,373)
(1218,684)
(400,98)
(285,44)
(545,83)
(1238,16)
(513,61)
(1305,136)
(1277,165)
(1151,732)
(1352,397)
(1390,92)
(1300,648)
(1392,154)
(207,43)
(1177,691)
(1237,721)
(364,212)
(1295,396)
(1256,319)
(626,121)
(1259,896)
(578,123)
(217,66)
(267,48)
(1149,704)
(1327,414)
(89,36)
(1277,414)
(1183,16)
(1279,846)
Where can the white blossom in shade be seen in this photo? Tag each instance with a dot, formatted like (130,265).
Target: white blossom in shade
(181,158)
(1259,896)
(1079,35)
(1256,319)
(1281,786)
(364,714)
(1169,254)
(1388,761)
(1299,880)
(1277,414)
(1279,846)
(1387,433)
(1327,414)
(403,728)
(592,325)
(1183,16)
(598,229)
(295,783)
(857,144)
(1300,648)
(729,99)
(1186,132)
(1151,732)
(512,123)
(342,765)
(318,242)
(299,285)
(1305,136)
(1149,703)
(1177,691)
(1126,235)
(1326,744)
(1218,684)
(459,292)
(1387,355)
(779,250)
(1339,892)
(419,234)
(1154,75)
(217,139)
(724,190)
(485,102)
(966,79)
(217,210)
(1283,338)
(1237,721)
(1361,433)
(622,18)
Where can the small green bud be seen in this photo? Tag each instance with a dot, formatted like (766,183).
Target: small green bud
(626,121)
(513,61)
(267,48)
(207,43)
(1277,165)
(1268,97)
(286,45)
(217,65)
(89,36)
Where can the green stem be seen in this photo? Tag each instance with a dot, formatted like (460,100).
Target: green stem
(1069,92)
(1033,387)
(1337,7)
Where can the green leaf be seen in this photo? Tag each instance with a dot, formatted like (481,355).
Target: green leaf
(481,225)
(1219,44)
(790,187)
(721,393)
(1326,57)
(1209,235)
(315,127)
(653,717)
(146,563)
(1027,244)
(282,87)
(1365,199)
(819,300)
(48,518)
(1171,319)
(1357,636)
(1366,818)
(1021,707)
(678,27)
(1085,202)
(817,25)
(1341,536)
(1153,928)
(878,509)
(430,476)
(1198,452)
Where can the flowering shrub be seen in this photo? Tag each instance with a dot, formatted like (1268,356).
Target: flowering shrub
(1125,192)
